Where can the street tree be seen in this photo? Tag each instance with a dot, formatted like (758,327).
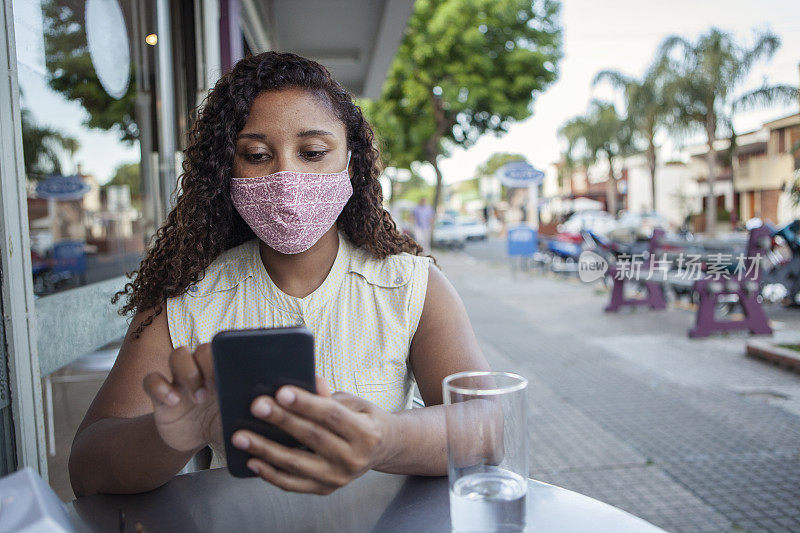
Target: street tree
(44,147)
(702,79)
(600,134)
(463,68)
(490,167)
(71,73)
(646,111)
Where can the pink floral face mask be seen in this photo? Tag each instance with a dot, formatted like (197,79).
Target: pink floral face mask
(289,210)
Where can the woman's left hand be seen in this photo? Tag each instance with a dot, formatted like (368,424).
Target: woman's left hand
(345,435)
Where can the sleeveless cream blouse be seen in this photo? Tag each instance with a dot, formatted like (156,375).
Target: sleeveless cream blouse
(363,316)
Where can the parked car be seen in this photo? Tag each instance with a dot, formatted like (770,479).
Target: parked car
(471,228)
(593,220)
(638,226)
(447,234)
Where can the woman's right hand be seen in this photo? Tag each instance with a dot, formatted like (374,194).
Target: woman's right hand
(186,409)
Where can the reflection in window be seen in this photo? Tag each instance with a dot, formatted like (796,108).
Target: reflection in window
(86,201)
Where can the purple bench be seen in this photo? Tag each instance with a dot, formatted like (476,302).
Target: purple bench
(746,288)
(654,297)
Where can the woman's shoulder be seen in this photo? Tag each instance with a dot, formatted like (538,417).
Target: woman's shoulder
(392,271)
(225,272)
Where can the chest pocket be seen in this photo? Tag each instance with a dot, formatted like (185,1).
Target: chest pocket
(386,386)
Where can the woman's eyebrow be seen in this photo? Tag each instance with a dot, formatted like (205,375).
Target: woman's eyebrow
(262,137)
(259,136)
(311,133)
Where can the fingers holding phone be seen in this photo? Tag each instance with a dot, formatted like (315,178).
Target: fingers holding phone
(345,436)
(185,406)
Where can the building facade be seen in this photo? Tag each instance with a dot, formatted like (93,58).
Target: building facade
(763,170)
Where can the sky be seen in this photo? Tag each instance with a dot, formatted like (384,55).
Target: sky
(624,35)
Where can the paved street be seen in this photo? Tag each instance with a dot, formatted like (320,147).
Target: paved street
(688,434)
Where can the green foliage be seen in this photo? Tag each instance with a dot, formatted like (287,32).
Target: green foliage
(71,73)
(646,109)
(701,78)
(464,68)
(600,132)
(794,189)
(496,161)
(42,147)
(415,193)
(413,188)
(128,174)
(645,103)
(493,164)
(470,187)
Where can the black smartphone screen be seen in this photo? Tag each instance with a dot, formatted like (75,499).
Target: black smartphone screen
(254,362)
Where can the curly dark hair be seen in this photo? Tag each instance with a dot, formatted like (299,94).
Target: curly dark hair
(204,222)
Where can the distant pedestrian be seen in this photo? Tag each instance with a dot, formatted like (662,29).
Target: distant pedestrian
(423,216)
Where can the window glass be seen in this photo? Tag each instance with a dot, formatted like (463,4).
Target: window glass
(87,200)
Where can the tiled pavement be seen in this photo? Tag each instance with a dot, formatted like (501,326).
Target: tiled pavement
(688,434)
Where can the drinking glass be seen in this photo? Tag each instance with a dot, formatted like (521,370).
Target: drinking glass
(487,450)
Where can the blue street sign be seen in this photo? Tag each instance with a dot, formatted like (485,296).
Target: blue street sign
(519,174)
(522,240)
(69,256)
(58,187)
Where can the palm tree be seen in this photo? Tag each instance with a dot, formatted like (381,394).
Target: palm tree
(42,148)
(646,110)
(794,189)
(702,78)
(600,132)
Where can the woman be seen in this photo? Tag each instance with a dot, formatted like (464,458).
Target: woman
(278,222)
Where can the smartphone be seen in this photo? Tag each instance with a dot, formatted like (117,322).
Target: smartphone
(254,362)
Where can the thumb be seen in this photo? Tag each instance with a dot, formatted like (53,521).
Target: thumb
(322,387)
(353,402)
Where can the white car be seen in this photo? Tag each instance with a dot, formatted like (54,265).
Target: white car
(638,225)
(597,221)
(447,234)
(471,228)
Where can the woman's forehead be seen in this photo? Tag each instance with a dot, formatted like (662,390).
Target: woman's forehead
(292,110)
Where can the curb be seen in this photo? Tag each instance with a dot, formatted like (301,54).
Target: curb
(773,353)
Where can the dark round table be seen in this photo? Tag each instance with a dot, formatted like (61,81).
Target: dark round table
(213,500)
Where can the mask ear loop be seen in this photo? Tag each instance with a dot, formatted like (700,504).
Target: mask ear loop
(347,165)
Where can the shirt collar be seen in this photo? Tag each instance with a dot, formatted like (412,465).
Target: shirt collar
(321,295)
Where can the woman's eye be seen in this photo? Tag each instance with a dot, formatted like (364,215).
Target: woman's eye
(259,157)
(256,157)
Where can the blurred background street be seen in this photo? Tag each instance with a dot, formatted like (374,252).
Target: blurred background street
(689,434)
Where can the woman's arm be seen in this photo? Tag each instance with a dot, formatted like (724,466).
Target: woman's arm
(122,456)
(443,344)
(117,447)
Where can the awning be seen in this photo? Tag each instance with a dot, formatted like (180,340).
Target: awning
(355,39)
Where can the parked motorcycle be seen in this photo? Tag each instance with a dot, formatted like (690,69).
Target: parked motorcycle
(781,283)
(560,253)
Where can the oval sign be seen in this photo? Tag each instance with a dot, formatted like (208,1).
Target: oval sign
(107,39)
(519,174)
(62,188)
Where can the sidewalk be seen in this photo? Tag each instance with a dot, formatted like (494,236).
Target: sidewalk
(688,434)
